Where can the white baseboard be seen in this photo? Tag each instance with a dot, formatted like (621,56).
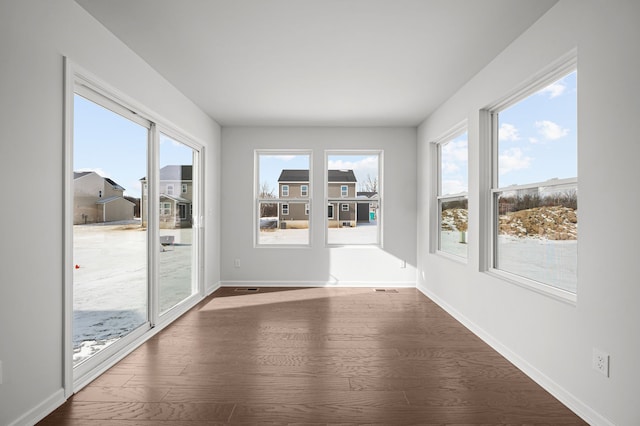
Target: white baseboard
(335,284)
(210,289)
(561,394)
(41,411)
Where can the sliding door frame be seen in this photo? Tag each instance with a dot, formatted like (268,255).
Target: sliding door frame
(77,80)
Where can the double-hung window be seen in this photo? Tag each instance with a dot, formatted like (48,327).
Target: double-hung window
(283,190)
(535,185)
(353,190)
(452,192)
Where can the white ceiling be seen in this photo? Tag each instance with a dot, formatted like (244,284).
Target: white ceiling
(317,62)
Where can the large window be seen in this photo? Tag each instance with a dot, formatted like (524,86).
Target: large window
(535,185)
(452,193)
(354,197)
(283,186)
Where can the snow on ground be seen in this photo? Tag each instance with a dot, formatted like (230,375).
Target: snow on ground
(110,283)
(551,262)
(363,233)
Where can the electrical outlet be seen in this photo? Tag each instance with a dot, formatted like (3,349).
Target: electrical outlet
(601,361)
(236,263)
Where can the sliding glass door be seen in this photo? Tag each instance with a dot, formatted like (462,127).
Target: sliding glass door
(110,254)
(133,223)
(178,189)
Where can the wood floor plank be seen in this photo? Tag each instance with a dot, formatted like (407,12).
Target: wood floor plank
(313,356)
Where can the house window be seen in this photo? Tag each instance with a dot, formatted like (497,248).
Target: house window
(184,188)
(165,209)
(169,189)
(452,193)
(182,209)
(535,186)
(354,182)
(282,218)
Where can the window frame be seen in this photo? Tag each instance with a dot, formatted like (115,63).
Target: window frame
(285,190)
(169,188)
(184,188)
(344,191)
(439,198)
(337,200)
(489,123)
(342,207)
(280,201)
(285,206)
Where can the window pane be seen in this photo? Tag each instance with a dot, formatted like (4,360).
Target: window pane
(109,239)
(177,271)
(453,226)
(454,166)
(284,179)
(354,199)
(538,136)
(538,234)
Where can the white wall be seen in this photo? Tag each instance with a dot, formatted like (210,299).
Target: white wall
(34,37)
(319,265)
(552,340)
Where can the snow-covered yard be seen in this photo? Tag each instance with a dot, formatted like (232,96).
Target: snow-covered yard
(365,233)
(547,261)
(110,281)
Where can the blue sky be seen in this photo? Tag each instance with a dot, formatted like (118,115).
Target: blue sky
(115,147)
(271,166)
(537,141)
(538,136)
(454,163)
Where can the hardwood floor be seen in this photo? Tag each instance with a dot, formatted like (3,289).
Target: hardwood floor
(313,356)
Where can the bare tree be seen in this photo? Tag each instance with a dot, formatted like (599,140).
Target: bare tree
(370,184)
(267,209)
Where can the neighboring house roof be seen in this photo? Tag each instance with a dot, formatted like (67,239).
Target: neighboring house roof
(110,199)
(175,198)
(77,175)
(175,172)
(111,182)
(298,175)
(368,194)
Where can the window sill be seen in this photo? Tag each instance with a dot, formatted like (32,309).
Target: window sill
(459,259)
(538,287)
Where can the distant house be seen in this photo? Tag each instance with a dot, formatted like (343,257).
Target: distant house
(367,206)
(176,196)
(97,199)
(294,183)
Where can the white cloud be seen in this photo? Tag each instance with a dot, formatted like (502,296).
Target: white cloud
(448,167)
(361,167)
(455,151)
(453,186)
(554,89)
(508,132)
(550,130)
(513,159)
(533,140)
